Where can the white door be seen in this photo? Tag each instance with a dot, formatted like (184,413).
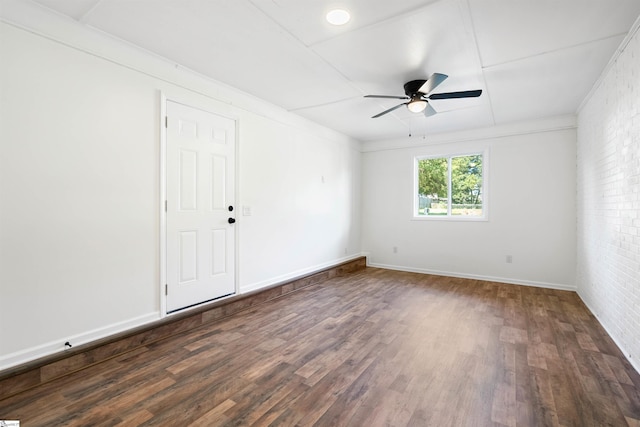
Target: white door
(200,172)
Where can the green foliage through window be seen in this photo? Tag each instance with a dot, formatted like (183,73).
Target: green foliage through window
(450,186)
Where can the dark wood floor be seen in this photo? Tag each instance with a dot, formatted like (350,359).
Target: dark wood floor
(375,348)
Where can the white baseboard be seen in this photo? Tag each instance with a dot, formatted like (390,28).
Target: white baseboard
(58,346)
(557,286)
(295,274)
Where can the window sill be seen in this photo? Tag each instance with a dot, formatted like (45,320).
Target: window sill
(451,218)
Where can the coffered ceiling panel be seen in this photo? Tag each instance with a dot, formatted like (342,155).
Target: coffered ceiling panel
(531,88)
(511,30)
(436,38)
(230,41)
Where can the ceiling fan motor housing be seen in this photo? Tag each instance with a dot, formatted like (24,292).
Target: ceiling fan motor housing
(413,87)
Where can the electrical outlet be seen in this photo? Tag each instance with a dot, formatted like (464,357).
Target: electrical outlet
(395,249)
(509,259)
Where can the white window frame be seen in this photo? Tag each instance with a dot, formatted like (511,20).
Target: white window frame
(449,155)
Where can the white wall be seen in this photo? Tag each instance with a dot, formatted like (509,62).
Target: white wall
(608,262)
(531,204)
(304,194)
(80,184)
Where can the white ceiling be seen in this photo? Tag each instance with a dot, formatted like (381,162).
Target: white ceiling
(532,58)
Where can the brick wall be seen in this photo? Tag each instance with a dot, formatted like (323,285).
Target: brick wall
(608,199)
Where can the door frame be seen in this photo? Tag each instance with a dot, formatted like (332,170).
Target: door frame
(163,197)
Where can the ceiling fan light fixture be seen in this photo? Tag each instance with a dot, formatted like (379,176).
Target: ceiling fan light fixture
(417,106)
(338,17)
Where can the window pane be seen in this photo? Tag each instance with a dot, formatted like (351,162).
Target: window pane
(433,197)
(466,185)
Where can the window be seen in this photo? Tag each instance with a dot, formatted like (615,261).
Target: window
(450,187)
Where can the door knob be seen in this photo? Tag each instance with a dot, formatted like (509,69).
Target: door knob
(231,220)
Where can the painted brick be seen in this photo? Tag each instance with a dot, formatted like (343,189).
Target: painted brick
(608,185)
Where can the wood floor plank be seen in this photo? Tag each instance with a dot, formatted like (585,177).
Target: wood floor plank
(216,416)
(377,347)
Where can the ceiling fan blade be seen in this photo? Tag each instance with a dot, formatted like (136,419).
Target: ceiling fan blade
(432,82)
(389,110)
(463,94)
(386,96)
(429,111)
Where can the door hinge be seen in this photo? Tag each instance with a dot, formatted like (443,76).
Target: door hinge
(165,206)
(166,121)
(166,289)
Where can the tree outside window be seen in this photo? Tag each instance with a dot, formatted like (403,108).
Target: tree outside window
(450,186)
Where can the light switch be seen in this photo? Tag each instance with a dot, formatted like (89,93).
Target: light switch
(246,210)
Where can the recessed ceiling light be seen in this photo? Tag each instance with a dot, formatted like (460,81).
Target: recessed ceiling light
(338,17)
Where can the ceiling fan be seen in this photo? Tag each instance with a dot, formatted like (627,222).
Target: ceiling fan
(418,94)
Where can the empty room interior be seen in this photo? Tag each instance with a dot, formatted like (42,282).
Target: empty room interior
(296,212)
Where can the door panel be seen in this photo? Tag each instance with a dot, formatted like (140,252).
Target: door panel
(200,173)
(188,256)
(218,252)
(218,183)
(188,180)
